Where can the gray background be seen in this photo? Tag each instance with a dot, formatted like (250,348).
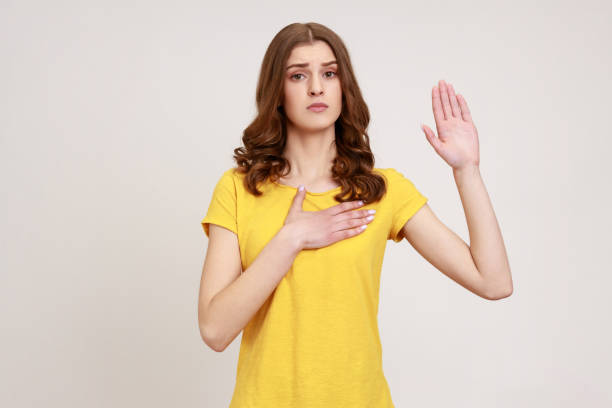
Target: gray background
(118,117)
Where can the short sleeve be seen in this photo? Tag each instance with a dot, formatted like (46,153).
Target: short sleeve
(222,207)
(405,200)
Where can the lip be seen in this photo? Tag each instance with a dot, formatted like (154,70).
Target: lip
(317,105)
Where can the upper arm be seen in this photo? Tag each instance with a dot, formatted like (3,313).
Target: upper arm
(222,265)
(444,249)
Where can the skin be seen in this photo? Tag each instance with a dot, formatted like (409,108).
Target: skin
(310,145)
(481,267)
(311,149)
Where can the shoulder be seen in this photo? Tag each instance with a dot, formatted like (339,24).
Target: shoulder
(230,176)
(389,173)
(234,179)
(231,172)
(226,183)
(398,184)
(381,171)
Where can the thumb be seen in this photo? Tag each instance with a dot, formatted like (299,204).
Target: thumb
(298,199)
(431,137)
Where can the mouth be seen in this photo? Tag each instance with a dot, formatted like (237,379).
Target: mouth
(318,107)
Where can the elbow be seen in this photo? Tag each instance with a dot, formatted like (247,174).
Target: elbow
(209,332)
(211,339)
(499,288)
(499,293)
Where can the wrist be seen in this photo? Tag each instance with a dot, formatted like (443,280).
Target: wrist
(468,169)
(290,236)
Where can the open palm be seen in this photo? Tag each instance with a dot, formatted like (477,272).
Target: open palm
(457,140)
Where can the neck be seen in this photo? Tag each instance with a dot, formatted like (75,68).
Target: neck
(310,154)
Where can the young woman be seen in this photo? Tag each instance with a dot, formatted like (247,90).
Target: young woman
(297,231)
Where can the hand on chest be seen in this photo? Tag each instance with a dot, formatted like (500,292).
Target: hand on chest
(262,217)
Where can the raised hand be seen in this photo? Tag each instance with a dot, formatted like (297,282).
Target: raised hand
(457,140)
(317,229)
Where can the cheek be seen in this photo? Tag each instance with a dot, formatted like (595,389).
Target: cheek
(338,96)
(290,95)
(337,90)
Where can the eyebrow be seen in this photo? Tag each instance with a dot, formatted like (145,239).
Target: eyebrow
(305,64)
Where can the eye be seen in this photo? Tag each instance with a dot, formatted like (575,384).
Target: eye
(328,76)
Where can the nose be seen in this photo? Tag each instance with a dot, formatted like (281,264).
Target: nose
(315,87)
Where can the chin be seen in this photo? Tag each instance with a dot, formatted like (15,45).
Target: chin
(310,128)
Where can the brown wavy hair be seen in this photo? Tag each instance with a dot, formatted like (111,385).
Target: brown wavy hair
(264,139)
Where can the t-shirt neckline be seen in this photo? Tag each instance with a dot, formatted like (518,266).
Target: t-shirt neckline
(308,192)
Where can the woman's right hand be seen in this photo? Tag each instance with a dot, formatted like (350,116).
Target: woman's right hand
(317,229)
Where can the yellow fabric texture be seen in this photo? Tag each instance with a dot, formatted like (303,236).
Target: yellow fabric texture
(315,341)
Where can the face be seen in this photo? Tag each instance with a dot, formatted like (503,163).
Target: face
(314,81)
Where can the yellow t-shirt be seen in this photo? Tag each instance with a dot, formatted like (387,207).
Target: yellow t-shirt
(315,341)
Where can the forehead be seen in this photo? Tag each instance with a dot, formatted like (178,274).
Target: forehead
(316,53)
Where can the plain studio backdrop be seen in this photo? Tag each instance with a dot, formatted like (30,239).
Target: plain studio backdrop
(117,118)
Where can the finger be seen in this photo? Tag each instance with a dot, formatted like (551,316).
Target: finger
(465,111)
(344,220)
(448,112)
(453,101)
(436,104)
(298,199)
(347,233)
(342,207)
(353,222)
(433,140)
(356,214)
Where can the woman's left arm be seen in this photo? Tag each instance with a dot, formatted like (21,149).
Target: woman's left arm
(486,242)
(482,266)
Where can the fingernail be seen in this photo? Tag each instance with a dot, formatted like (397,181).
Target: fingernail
(360,202)
(371,211)
(301,187)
